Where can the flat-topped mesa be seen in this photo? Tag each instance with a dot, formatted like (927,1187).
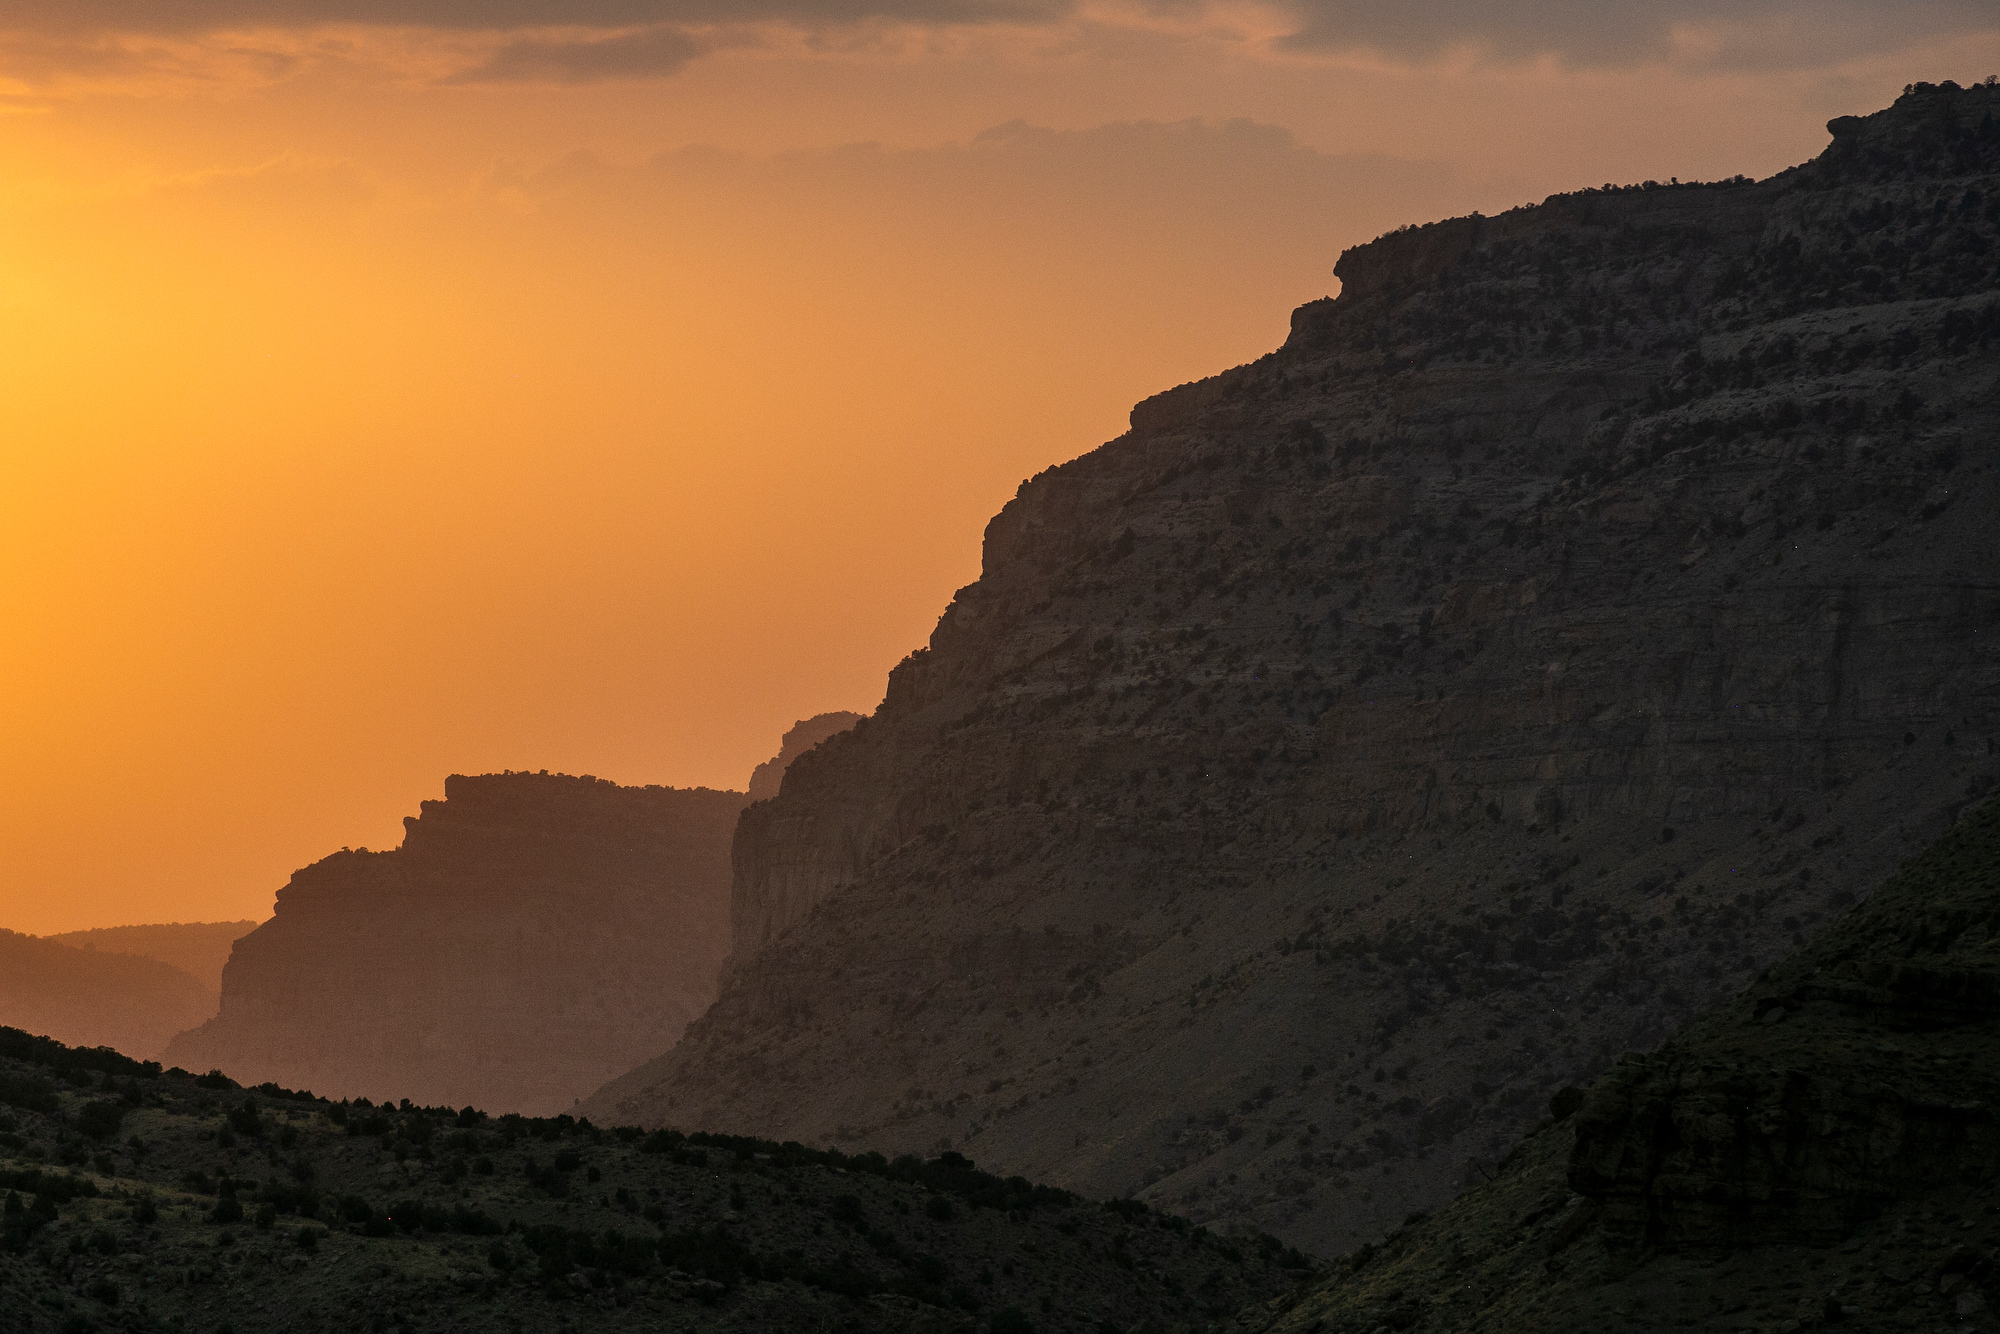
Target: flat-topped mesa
(493,829)
(533,935)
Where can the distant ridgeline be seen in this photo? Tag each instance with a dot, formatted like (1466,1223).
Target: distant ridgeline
(198,949)
(142,1199)
(97,997)
(534,936)
(1588,604)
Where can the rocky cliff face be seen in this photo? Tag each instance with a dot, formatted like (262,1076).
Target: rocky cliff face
(533,935)
(803,736)
(1819,1150)
(1569,618)
(89,998)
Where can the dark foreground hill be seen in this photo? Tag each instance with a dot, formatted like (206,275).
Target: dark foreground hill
(533,935)
(95,998)
(136,1200)
(1588,604)
(1823,1150)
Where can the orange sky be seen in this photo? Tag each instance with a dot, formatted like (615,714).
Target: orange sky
(383,395)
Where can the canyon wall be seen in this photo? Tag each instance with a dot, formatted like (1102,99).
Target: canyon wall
(1574,614)
(533,935)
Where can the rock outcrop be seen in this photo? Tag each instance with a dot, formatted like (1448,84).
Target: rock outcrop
(1863,1070)
(93,998)
(1819,1150)
(533,935)
(803,736)
(196,948)
(1576,612)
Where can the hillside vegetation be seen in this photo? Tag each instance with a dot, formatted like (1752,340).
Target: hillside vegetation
(142,1200)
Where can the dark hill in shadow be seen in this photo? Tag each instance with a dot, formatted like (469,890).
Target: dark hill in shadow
(1820,1150)
(142,1200)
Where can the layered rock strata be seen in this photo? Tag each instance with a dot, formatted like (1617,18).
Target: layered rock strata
(533,935)
(1575,613)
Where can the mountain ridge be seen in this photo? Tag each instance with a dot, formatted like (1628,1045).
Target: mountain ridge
(1385,733)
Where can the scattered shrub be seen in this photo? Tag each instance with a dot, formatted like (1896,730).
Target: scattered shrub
(100,1120)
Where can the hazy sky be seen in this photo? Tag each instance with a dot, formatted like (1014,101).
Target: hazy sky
(391,388)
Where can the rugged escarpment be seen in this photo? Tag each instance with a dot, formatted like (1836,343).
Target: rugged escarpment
(1571,617)
(766,778)
(533,935)
(1821,1148)
(96,998)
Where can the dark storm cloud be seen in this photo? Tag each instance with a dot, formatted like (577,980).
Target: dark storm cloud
(1751,33)
(195,16)
(650,54)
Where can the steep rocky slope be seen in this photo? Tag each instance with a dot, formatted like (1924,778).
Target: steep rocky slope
(533,935)
(196,948)
(96,999)
(1574,614)
(803,736)
(141,1201)
(1822,1149)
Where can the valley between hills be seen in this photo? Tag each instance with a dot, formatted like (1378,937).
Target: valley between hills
(1390,842)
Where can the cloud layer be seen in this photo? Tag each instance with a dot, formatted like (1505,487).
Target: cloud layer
(649,53)
(196,16)
(570,42)
(1612,33)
